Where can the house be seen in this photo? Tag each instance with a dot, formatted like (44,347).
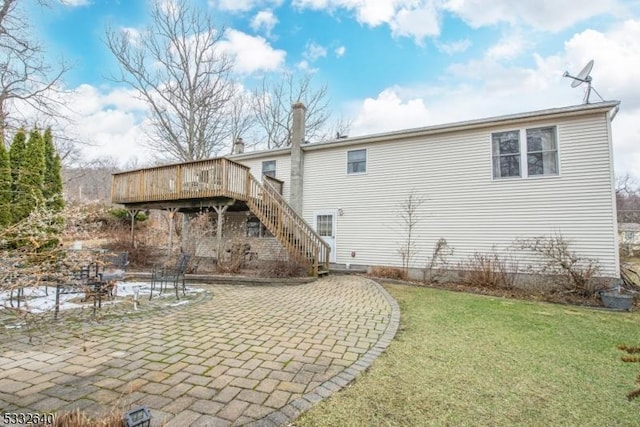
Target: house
(482,185)
(629,236)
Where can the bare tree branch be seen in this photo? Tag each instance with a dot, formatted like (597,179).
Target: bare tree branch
(272,106)
(177,68)
(26,80)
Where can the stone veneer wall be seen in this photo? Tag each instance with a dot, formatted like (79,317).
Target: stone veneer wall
(235,229)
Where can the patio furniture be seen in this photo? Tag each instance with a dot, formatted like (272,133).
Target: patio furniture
(80,280)
(166,276)
(114,269)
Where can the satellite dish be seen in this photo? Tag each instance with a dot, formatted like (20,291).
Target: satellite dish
(584,76)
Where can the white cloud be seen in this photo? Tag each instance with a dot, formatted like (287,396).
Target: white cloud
(75,3)
(264,21)
(252,53)
(491,88)
(419,23)
(314,51)
(133,34)
(389,112)
(109,121)
(305,66)
(551,15)
(411,18)
(508,47)
(243,5)
(420,19)
(340,51)
(454,47)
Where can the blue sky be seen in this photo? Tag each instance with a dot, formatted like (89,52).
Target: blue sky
(389,64)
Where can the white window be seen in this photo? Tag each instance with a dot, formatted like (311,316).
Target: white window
(542,151)
(506,154)
(269,168)
(539,154)
(325,225)
(356,161)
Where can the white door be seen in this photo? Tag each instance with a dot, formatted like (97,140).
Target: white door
(325,225)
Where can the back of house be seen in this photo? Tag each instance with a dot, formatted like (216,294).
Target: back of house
(487,187)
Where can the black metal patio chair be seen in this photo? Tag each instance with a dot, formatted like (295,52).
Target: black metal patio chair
(164,277)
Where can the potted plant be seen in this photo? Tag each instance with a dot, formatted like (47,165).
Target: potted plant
(617,298)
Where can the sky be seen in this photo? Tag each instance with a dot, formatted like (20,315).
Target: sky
(388,64)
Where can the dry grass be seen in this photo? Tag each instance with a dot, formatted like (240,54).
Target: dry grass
(78,418)
(462,359)
(388,273)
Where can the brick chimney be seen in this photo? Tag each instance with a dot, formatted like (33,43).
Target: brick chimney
(297,158)
(238,146)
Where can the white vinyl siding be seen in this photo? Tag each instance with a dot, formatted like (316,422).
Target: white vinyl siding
(283,169)
(462,202)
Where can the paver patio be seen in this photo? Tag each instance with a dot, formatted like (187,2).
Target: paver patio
(242,355)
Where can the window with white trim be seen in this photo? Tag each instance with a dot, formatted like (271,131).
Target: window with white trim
(269,168)
(506,154)
(537,148)
(356,161)
(542,151)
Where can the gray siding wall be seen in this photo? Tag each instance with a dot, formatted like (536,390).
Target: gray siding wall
(462,202)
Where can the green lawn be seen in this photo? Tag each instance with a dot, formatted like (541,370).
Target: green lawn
(462,359)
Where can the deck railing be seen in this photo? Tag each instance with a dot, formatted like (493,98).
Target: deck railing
(217,177)
(298,238)
(222,177)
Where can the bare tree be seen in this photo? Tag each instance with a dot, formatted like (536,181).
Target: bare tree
(272,106)
(90,180)
(241,116)
(627,199)
(26,80)
(178,68)
(409,213)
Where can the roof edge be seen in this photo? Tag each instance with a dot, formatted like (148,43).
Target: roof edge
(469,124)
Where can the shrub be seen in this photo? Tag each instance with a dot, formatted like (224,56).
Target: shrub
(123,215)
(140,254)
(433,270)
(490,271)
(388,273)
(561,260)
(234,257)
(283,268)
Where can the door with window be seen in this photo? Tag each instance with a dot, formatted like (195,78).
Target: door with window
(325,225)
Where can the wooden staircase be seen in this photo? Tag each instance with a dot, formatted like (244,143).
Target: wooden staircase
(301,241)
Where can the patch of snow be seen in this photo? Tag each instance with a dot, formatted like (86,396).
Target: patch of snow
(41,299)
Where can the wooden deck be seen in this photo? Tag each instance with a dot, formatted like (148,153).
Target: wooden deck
(203,179)
(204,183)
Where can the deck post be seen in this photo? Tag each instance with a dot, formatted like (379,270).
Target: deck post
(220,210)
(132,214)
(171,213)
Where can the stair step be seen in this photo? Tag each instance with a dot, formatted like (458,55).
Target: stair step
(322,273)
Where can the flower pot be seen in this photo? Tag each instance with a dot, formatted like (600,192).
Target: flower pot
(616,300)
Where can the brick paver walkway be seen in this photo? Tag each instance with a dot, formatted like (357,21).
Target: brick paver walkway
(243,355)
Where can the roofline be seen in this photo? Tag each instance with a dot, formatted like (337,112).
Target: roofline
(574,110)
(259,153)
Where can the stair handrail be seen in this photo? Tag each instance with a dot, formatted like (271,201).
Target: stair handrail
(287,211)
